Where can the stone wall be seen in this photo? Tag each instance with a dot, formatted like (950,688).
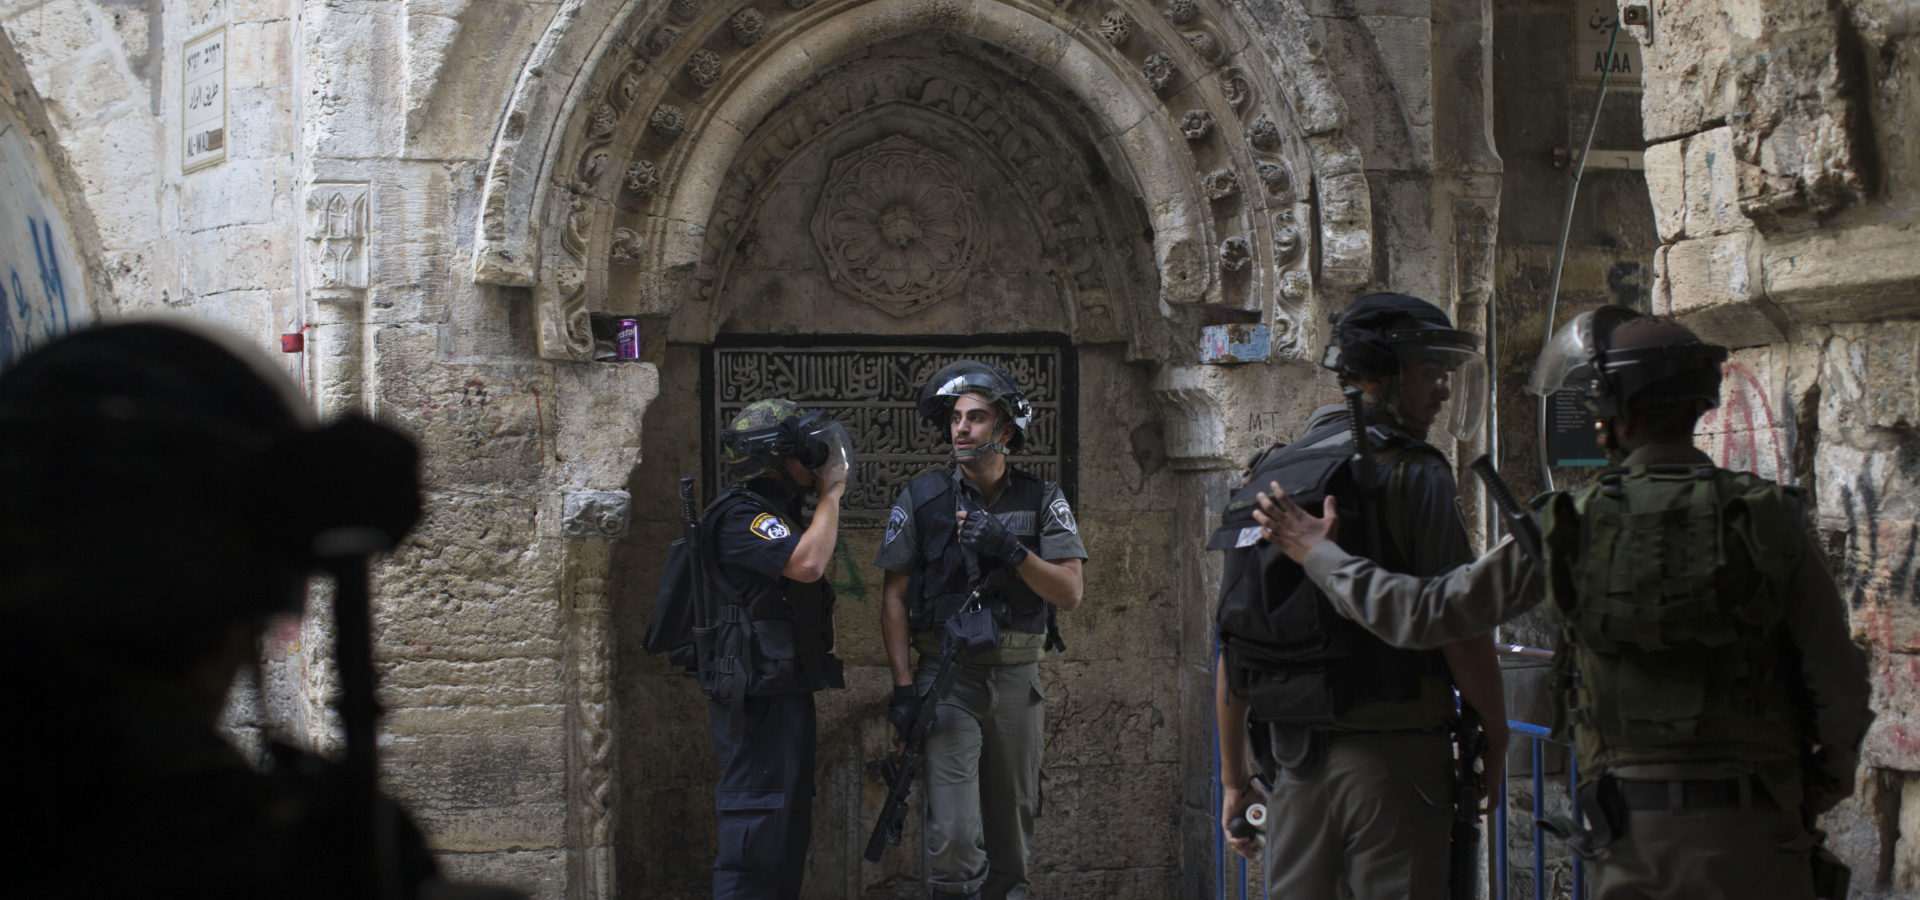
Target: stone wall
(449,197)
(1784,168)
(44,287)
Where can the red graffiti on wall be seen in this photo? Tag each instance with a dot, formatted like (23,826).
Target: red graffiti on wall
(1750,436)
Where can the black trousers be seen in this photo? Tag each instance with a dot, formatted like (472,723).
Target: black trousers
(765,797)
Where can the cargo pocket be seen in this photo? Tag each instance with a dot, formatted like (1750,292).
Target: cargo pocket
(745,820)
(775,669)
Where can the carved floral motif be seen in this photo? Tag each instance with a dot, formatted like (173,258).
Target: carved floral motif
(642,178)
(1115,27)
(1159,71)
(1286,244)
(337,239)
(659,41)
(1293,287)
(603,121)
(667,121)
(1180,12)
(1263,133)
(1275,176)
(1220,184)
(625,250)
(1196,124)
(897,226)
(685,10)
(703,67)
(1236,89)
(748,26)
(1235,254)
(1204,45)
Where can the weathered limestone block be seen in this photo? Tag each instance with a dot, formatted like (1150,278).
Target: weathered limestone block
(1667,188)
(1708,284)
(1862,272)
(478,425)
(1894,740)
(533,871)
(1112,712)
(1095,818)
(415,676)
(471,582)
(1797,126)
(1713,185)
(1688,77)
(1752,428)
(480,780)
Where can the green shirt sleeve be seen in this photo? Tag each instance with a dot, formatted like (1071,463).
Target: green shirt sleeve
(1059,530)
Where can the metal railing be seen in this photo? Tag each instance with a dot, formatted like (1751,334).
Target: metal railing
(1231,872)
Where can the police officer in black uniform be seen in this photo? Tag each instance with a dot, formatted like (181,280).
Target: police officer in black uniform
(772,646)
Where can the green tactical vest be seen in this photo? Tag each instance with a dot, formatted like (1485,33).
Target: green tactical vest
(1668,584)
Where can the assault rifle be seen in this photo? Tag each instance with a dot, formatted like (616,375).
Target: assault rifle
(971,629)
(1469,741)
(1362,461)
(1520,523)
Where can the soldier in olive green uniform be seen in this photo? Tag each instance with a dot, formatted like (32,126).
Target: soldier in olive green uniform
(1709,684)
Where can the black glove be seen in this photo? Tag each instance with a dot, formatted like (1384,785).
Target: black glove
(984,534)
(902,709)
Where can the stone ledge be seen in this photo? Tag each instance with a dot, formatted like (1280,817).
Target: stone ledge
(1744,289)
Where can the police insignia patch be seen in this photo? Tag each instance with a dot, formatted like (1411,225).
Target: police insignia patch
(896,520)
(769,527)
(1064,513)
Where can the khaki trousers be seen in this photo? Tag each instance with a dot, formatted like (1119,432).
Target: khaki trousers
(1759,853)
(983,779)
(1369,821)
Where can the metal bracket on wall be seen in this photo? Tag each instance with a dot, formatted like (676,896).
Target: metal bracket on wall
(1639,15)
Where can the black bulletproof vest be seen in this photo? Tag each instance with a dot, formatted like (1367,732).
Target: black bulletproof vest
(941,582)
(791,621)
(1296,659)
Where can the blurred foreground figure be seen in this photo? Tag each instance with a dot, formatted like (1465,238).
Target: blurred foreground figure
(165,495)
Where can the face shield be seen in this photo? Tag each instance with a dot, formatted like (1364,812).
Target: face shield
(1443,379)
(1566,362)
(823,445)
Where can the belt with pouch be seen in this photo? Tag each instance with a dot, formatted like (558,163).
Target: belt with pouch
(1692,793)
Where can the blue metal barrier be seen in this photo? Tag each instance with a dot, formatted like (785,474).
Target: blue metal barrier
(1537,738)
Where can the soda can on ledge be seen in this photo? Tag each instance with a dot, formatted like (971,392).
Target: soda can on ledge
(626,339)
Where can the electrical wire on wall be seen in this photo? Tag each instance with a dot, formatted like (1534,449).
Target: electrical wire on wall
(1560,257)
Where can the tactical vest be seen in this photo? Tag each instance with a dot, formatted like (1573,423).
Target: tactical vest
(1669,587)
(778,633)
(1287,650)
(942,581)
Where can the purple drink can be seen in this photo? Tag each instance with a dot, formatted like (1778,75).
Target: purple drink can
(626,339)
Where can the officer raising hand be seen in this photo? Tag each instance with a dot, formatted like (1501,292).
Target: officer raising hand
(772,645)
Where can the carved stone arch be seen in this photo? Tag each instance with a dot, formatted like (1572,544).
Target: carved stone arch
(1229,137)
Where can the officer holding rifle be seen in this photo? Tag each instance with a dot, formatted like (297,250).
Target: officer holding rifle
(1705,672)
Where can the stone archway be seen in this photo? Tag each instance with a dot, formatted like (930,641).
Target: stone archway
(1150,172)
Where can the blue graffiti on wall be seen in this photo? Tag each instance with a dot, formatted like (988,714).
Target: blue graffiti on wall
(26,320)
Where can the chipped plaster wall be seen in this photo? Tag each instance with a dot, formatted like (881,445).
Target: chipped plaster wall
(1783,163)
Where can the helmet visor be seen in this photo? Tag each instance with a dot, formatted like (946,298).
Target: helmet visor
(1443,378)
(1566,362)
(827,441)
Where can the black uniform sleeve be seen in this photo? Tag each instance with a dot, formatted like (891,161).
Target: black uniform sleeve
(755,541)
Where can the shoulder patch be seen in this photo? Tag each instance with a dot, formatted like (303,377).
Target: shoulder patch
(1064,514)
(769,527)
(896,520)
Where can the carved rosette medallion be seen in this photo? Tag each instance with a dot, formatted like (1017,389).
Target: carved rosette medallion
(1159,71)
(1235,254)
(1180,12)
(1196,124)
(1115,27)
(1275,176)
(898,226)
(642,178)
(667,121)
(1220,184)
(748,26)
(703,67)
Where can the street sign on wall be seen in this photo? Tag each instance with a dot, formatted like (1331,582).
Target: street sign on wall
(203,100)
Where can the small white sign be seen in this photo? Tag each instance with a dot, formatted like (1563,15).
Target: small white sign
(203,100)
(1593,30)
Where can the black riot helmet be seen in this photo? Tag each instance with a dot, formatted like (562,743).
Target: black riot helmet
(164,481)
(1387,335)
(1619,360)
(768,432)
(990,382)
